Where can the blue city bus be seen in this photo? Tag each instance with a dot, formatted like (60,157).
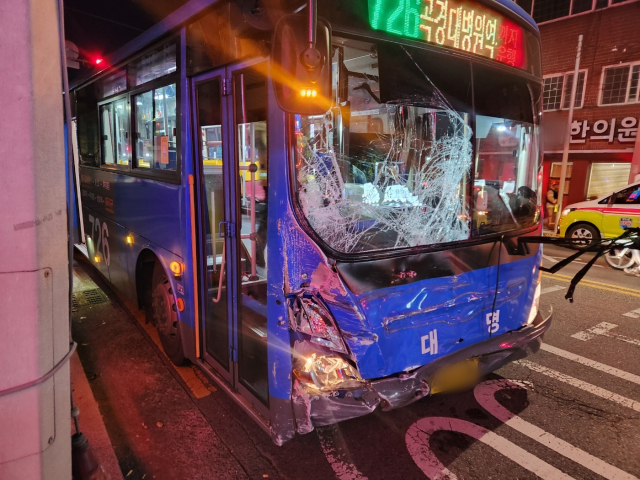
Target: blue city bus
(319,205)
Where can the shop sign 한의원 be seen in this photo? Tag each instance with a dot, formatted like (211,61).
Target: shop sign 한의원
(624,131)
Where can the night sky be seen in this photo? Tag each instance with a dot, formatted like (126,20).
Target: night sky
(99,27)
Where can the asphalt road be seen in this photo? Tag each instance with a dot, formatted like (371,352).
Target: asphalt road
(570,411)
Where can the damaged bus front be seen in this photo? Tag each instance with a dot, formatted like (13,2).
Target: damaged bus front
(411,174)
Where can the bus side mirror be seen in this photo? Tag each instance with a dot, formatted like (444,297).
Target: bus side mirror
(302,75)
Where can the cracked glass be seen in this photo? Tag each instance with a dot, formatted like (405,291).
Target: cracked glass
(389,165)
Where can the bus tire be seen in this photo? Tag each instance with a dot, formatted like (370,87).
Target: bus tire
(584,232)
(165,316)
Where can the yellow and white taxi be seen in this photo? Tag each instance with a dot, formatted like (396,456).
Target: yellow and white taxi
(605,217)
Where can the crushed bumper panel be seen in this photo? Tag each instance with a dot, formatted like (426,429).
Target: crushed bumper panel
(400,390)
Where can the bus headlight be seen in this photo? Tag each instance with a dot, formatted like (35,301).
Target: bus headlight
(312,317)
(327,373)
(535,306)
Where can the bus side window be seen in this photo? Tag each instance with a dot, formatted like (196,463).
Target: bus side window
(143,105)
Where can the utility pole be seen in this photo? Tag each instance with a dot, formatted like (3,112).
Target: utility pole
(35,429)
(567,133)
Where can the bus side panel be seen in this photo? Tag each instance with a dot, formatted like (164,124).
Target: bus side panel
(119,266)
(279,359)
(151,209)
(99,253)
(512,305)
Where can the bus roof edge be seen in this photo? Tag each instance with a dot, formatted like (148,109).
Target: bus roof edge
(164,26)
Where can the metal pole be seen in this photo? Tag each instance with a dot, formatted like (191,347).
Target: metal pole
(567,133)
(313,15)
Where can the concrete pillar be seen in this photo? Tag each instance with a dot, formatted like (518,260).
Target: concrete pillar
(34,313)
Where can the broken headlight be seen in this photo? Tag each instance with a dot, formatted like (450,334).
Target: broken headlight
(535,306)
(311,316)
(327,373)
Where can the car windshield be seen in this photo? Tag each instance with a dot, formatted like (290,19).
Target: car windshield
(390,164)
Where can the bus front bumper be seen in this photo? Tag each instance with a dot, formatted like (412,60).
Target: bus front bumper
(312,409)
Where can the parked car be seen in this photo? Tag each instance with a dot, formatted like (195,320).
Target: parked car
(605,217)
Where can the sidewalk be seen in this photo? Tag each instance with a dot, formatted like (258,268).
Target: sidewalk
(90,420)
(150,420)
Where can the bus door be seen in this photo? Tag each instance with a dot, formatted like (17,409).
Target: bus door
(231,141)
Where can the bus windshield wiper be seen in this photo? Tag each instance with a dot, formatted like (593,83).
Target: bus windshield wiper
(367,88)
(630,238)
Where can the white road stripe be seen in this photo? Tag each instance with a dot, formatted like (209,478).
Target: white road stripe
(604,330)
(554,288)
(630,377)
(485,396)
(337,456)
(417,440)
(633,313)
(589,333)
(587,387)
(556,260)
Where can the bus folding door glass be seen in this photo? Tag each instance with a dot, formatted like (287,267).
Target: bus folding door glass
(216,308)
(505,190)
(143,105)
(250,96)
(106,124)
(164,143)
(121,126)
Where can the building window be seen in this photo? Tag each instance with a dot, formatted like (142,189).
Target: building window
(557,91)
(546,10)
(620,84)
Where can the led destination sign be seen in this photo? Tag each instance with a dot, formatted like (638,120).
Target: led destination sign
(460,24)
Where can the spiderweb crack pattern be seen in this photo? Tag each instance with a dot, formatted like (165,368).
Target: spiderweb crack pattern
(416,196)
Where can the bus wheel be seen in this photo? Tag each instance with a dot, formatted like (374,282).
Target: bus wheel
(583,234)
(165,317)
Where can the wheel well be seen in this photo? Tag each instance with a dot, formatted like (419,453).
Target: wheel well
(577,224)
(144,276)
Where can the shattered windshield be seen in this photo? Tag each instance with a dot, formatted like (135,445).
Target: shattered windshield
(389,165)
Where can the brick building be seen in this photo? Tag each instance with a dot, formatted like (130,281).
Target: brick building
(607,107)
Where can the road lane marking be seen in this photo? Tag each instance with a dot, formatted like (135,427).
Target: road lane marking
(595,282)
(556,260)
(630,377)
(633,313)
(600,329)
(599,286)
(417,441)
(331,442)
(554,288)
(485,396)
(603,329)
(587,387)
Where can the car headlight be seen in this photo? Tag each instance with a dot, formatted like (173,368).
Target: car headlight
(535,306)
(567,211)
(327,373)
(311,316)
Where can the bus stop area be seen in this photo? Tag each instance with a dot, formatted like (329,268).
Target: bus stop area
(168,422)
(163,422)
